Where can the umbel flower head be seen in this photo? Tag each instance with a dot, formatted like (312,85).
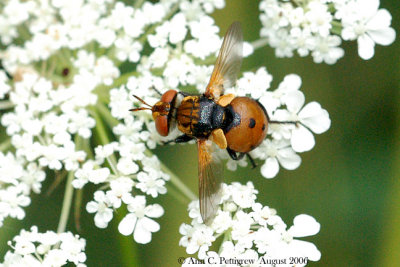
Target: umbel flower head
(250,231)
(31,248)
(317,27)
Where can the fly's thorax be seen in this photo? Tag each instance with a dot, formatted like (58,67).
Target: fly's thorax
(198,116)
(187,114)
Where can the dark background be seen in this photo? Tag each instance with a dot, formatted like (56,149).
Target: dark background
(349,182)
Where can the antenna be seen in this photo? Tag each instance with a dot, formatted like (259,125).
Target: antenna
(143,102)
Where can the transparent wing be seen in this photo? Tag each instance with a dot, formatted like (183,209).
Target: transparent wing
(210,179)
(228,62)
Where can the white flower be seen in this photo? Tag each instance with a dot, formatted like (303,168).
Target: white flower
(81,123)
(12,199)
(318,18)
(314,27)
(126,166)
(249,233)
(262,215)
(105,70)
(4,87)
(121,188)
(138,220)
(32,248)
(369,25)
(241,195)
(254,84)
(102,206)
(327,50)
(151,183)
(120,103)
(198,238)
(312,118)
(272,100)
(276,152)
(177,31)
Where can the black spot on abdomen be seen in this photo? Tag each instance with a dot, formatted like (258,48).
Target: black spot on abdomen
(252,123)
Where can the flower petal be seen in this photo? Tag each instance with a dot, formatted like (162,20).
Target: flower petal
(306,249)
(365,47)
(315,118)
(270,168)
(380,20)
(141,235)
(149,224)
(384,36)
(289,159)
(302,139)
(304,225)
(294,101)
(154,211)
(127,224)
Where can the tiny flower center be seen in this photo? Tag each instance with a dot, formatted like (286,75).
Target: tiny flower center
(272,152)
(139,213)
(360,29)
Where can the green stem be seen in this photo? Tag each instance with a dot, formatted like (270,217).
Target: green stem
(336,27)
(6,104)
(259,43)
(106,114)
(5,145)
(172,191)
(77,209)
(227,236)
(69,191)
(102,134)
(178,183)
(138,4)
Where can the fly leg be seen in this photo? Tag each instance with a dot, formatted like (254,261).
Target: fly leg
(234,156)
(180,139)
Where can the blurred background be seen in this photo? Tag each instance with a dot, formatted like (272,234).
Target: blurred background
(349,182)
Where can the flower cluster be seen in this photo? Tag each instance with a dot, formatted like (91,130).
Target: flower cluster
(250,231)
(128,183)
(317,26)
(18,179)
(31,248)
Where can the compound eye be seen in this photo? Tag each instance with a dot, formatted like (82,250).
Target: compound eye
(162,125)
(169,96)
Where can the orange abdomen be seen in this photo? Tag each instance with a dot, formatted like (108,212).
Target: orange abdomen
(249,124)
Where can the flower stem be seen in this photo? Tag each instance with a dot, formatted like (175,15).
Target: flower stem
(259,43)
(102,133)
(178,183)
(336,27)
(138,4)
(6,104)
(105,113)
(69,191)
(5,145)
